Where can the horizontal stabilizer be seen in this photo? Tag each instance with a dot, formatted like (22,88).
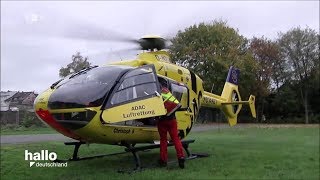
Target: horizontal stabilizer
(250,101)
(252,106)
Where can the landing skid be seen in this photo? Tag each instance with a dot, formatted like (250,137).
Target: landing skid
(134,150)
(75,156)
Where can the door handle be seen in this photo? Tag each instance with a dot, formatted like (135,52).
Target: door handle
(157,94)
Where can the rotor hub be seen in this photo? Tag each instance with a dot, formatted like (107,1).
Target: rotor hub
(152,42)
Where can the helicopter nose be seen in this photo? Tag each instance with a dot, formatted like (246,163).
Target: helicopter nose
(49,119)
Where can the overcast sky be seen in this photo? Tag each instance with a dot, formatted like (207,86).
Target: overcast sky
(35,40)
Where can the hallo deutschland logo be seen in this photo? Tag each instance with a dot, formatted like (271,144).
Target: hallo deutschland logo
(43,155)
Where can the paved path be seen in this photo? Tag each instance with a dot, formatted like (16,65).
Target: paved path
(18,139)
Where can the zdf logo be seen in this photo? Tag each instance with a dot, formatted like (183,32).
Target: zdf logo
(44,155)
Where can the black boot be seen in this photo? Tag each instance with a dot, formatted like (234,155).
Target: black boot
(181,162)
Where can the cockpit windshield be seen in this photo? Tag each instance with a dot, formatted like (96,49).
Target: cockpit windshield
(85,89)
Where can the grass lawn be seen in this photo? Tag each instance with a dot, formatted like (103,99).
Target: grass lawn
(237,153)
(23,130)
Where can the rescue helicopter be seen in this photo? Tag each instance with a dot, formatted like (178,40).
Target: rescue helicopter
(118,103)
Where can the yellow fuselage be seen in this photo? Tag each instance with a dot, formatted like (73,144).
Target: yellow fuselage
(115,121)
(112,133)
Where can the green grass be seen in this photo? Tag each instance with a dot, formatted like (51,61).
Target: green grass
(30,130)
(237,153)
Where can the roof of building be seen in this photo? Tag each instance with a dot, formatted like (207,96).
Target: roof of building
(20,95)
(4,96)
(7,94)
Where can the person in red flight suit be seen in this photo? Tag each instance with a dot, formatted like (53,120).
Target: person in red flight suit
(168,123)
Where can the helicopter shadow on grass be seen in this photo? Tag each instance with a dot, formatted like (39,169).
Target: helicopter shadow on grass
(124,163)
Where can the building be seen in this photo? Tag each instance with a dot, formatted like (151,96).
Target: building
(4,96)
(22,100)
(14,104)
(16,100)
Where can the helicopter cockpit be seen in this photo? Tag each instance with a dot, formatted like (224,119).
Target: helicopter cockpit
(87,88)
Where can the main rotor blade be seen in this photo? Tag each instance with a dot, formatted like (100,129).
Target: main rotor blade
(95,33)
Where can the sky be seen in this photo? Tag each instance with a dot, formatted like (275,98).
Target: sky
(37,37)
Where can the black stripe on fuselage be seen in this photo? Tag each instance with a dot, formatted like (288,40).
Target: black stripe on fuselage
(193,82)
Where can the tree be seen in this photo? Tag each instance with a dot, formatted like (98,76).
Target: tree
(283,105)
(300,48)
(270,69)
(209,49)
(78,63)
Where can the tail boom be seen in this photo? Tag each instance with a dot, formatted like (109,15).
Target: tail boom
(230,101)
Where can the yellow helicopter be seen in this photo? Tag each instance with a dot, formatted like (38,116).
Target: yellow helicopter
(118,103)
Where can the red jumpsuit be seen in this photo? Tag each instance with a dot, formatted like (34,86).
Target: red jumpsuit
(169,124)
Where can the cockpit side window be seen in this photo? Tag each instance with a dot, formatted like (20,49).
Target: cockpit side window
(181,93)
(137,79)
(136,84)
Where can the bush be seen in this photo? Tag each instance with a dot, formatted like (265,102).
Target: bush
(315,119)
(298,120)
(9,126)
(30,120)
(27,121)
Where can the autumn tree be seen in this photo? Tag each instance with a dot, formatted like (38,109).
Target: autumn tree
(209,49)
(270,69)
(78,63)
(300,48)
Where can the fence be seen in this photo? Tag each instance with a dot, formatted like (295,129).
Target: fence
(24,118)
(10,117)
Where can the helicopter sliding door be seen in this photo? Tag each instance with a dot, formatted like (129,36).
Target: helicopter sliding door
(184,114)
(136,96)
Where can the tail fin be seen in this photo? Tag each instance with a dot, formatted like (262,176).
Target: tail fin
(230,100)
